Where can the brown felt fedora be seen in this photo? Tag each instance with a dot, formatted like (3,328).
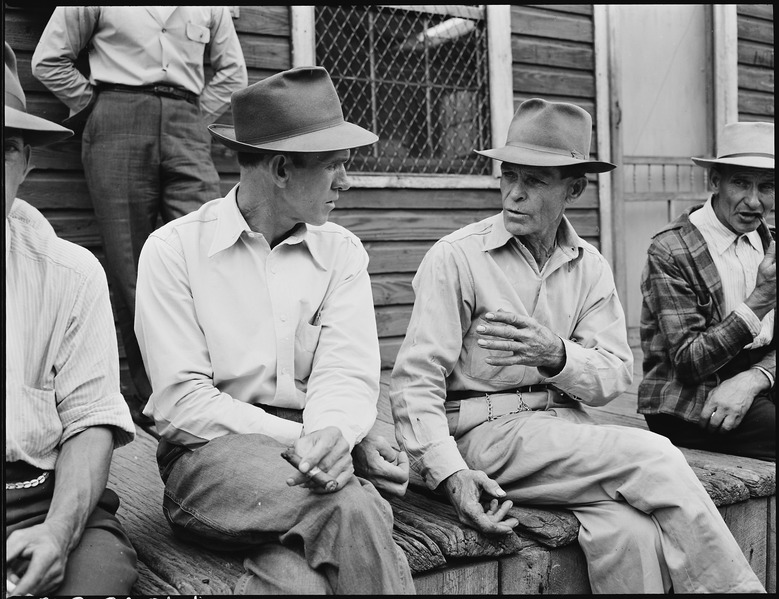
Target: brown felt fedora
(744,144)
(36,130)
(293,111)
(549,134)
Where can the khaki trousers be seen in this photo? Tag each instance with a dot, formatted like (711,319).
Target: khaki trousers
(647,523)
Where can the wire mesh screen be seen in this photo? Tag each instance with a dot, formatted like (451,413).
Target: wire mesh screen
(417,77)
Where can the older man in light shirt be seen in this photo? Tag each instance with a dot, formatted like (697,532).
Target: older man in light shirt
(64,413)
(708,316)
(145,105)
(255,319)
(516,324)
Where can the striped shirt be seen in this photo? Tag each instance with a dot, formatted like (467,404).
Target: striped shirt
(737,258)
(62,362)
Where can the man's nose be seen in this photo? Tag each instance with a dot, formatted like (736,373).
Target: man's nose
(341,181)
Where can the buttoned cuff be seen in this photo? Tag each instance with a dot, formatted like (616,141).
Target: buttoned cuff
(750,319)
(286,431)
(439,462)
(768,375)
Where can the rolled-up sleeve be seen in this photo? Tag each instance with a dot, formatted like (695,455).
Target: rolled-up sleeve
(187,407)
(343,387)
(427,356)
(86,382)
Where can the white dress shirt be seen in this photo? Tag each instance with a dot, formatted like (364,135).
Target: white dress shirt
(225,322)
(141,45)
(61,361)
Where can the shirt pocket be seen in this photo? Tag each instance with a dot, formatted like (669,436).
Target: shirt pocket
(39,420)
(198,33)
(475,366)
(306,342)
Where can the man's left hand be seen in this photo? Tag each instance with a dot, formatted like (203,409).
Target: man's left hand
(530,342)
(382,464)
(727,404)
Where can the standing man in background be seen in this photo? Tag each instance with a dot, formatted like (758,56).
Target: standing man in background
(146,149)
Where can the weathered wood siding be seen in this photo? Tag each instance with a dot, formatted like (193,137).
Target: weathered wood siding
(553,57)
(755,62)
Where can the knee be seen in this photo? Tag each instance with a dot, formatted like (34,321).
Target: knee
(362,503)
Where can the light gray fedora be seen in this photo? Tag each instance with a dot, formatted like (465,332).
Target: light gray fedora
(744,144)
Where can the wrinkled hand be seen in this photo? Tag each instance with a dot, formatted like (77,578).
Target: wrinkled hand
(763,298)
(44,551)
(465,488)
(383,465)
(729,401)
(530,342)
(326,449)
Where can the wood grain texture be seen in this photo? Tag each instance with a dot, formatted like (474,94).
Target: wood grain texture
(552,527)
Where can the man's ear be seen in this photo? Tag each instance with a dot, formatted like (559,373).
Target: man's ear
(278,167)
(714,180)
(576,188)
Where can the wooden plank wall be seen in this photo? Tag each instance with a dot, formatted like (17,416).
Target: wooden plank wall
(553,57)
(755,62)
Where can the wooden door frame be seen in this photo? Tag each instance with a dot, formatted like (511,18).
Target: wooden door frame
(723,108)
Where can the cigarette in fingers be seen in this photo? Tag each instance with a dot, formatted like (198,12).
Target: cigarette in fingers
(316,474)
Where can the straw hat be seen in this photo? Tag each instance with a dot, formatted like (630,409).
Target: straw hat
(744,144)
(293,111)
(549,134)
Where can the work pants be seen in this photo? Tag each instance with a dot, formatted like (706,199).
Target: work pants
(646,521)
(104,561)
(754,437)
(231,494)
(146,158)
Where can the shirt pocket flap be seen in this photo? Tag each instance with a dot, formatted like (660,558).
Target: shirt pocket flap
(198,33)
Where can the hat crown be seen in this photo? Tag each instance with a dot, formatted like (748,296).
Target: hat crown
(747,139)
(14,94)
(555,127)
(287,104)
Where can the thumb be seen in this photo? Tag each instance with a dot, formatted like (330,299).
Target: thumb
(771,251)
(491,487)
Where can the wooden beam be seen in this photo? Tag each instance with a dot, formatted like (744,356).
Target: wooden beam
(603,136)
(303,40)
(725,42)
(499,52)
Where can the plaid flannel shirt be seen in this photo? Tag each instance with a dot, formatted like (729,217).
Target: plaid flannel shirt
(689,345)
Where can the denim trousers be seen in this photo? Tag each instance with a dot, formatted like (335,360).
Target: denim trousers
(104,561)
(146,159)
(754,437)
(647,523)
(231,494)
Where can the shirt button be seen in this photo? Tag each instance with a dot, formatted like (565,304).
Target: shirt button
(164,31)
(283,318)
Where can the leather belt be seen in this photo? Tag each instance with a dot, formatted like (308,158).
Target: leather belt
(470,408)
(285,413)
(168,91)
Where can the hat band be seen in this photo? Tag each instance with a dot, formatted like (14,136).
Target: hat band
(557,151)
(287,134)
(747,155)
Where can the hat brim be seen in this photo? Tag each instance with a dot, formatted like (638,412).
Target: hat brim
(528,157)
(37,131)
(747,161)
(340,137)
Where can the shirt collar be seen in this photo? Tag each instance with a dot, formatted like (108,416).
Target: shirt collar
(231,224)
(567,239)
(719,235)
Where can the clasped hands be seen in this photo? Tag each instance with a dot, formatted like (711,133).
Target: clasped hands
(374,459)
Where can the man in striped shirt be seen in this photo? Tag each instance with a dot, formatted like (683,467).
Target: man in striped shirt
(64,411)
(707,321)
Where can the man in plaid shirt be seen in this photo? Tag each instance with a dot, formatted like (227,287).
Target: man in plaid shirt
(707,320)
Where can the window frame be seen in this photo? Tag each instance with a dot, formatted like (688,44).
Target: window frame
(498,21)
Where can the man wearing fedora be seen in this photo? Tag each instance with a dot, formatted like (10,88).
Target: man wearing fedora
(516,324)
(64,413)
(709,300)
(144,107)
(255,320)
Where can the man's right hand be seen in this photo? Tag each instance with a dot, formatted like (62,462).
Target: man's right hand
(44,552)
(465,488)
(326,449)
(763,299)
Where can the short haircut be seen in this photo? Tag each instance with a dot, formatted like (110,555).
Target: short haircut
(254,159)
